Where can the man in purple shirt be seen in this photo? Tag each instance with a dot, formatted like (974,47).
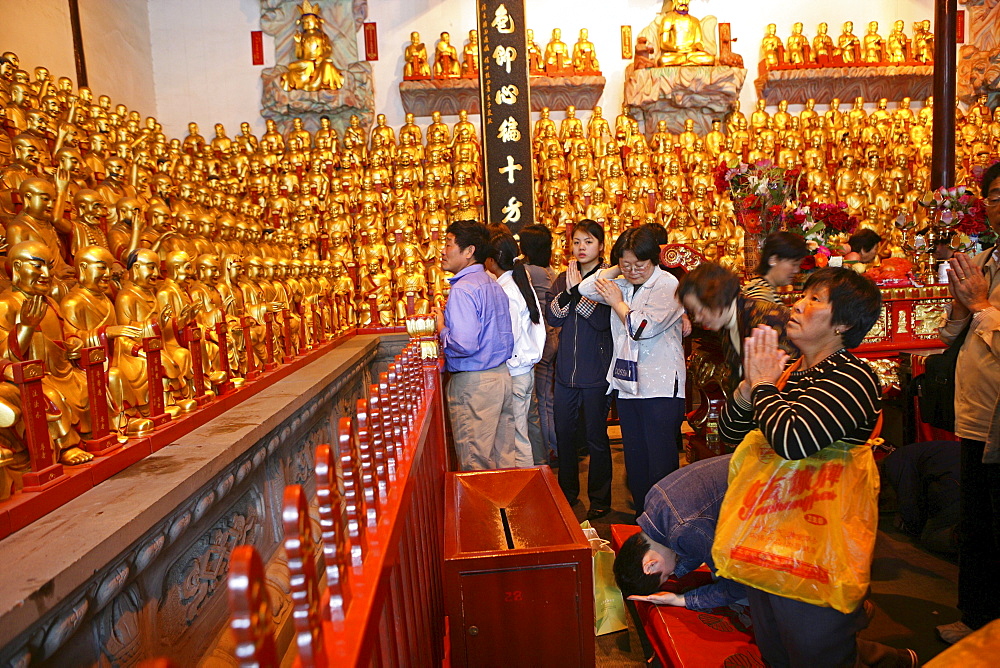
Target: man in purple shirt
(476,336)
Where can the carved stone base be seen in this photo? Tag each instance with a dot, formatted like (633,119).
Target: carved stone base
(449,96)
(674,94)
(356,97)
(978,74)
(846,83)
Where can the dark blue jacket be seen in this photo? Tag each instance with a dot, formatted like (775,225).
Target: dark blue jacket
(585,345)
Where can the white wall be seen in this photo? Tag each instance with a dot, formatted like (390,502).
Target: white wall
(115,45)
(603,18)
(203,66)
(38,31)
(119,58)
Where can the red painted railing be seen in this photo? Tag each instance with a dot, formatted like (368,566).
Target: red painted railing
(382,538)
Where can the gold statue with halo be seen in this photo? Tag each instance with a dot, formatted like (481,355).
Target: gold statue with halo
(313,71)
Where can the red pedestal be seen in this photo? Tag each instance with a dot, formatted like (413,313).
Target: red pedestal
(286,332)
(152,345)
(192,340)
(269,363)
(221,332)
(303,338)
(44,469)
(101,441)
(251,371)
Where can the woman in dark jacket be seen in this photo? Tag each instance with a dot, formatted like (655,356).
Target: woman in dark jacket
(582,363)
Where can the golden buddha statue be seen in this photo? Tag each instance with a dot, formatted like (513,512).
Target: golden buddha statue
(415,55)
(897,44)
(848,44)
(126,234)
(470,56)
(411,284)
(27,154)
(446,64)
(585,55)
(89,310)
(557,56)
(204,291)
(136,305)
(872,50)
(822,44)
(535,64)
(923,42)
(33,329)
(797,46)
(771,47)
(36,222)
(344,293)
(313,70)
(681,39)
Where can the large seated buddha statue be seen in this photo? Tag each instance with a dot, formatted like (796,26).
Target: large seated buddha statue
(313,71)
(682,39)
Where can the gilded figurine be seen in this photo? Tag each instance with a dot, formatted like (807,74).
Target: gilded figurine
(313,70)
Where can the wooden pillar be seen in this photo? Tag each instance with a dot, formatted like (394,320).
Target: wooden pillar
(81,61)
(945,77)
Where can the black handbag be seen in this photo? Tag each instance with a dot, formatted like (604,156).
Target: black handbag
(937,388)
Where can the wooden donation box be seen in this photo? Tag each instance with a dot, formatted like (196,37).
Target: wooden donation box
(518,575)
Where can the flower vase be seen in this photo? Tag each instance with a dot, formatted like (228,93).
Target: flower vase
(753,239)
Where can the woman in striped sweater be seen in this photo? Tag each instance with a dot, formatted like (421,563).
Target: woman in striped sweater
(832,396)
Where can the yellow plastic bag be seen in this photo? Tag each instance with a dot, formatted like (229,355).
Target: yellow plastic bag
(609,606)
(803,529)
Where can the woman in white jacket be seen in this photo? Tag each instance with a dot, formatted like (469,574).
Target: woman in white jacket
(529,338)
(647,368)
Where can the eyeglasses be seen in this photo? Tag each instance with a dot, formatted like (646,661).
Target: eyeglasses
(635,268)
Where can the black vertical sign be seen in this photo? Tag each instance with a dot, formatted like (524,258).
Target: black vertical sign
(506,113)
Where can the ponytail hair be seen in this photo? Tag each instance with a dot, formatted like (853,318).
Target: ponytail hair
(504,251)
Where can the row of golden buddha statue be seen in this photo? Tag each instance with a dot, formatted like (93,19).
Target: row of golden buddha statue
(877,162)
(556,60)
(848,50)
(121,244)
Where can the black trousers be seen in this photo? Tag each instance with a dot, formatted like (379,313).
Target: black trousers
(650,435)
(979,530)
(569,401)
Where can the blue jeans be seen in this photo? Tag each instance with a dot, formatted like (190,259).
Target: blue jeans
(651,431)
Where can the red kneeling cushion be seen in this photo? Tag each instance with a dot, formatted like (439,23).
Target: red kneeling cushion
(692,639)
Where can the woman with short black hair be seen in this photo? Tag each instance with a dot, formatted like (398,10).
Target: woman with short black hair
(648,369)
(830,398)
(780,259)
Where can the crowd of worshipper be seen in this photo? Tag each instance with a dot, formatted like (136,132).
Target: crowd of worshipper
(535,360)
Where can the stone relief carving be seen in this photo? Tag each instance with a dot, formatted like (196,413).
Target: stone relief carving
(197,576)
(979,58)
(117,630)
